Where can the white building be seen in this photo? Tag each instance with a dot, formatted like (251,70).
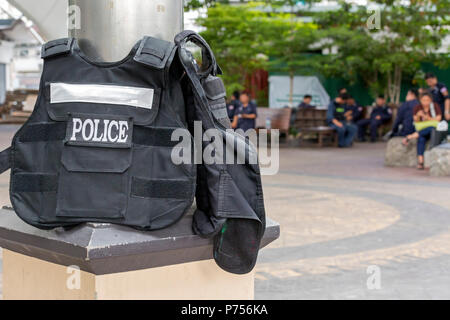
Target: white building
(20,63)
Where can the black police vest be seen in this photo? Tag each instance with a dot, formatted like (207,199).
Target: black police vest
(97,146)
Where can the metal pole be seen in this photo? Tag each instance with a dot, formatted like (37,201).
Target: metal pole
(108,29)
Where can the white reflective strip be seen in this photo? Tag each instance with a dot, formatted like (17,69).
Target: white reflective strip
(93,93)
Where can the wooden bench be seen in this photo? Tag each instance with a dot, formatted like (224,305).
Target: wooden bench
(314,122)
(279,119)
(18,106)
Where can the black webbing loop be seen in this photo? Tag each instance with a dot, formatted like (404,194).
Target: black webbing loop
(209,63)
(5,160)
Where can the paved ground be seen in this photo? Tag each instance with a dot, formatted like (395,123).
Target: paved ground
(342,211)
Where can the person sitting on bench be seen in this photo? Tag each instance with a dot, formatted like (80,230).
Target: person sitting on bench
(245,115)
(354,111)
(306,103)
(404,123)
(336,118)
(379,115)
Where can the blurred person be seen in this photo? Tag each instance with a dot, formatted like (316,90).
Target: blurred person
(353,110)
(380,114)
(245,115)
(306,103)
(233,105)
(404,123)
(337,120)
(342,90)
(423,112)
(440,94)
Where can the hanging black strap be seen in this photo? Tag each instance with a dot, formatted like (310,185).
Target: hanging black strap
(5,160)
(209,63)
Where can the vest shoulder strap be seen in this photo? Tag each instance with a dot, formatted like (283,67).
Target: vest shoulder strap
(154,52)
(56,47)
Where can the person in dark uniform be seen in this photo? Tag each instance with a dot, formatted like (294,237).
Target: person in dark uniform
(337,120)
(245,115)
(404,123)
(233,105)
(342,90)
(440,95)
(306,103)
(353,110)
(379,115)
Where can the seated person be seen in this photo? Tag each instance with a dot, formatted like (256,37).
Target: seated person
(342,90)
(379,115)
(353,110)
(337,120)
(403,124)
(245,115)
(306,102)
(425,111)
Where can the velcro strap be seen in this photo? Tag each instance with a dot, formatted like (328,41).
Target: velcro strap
(214,88)
(43,132)
(56,47)
(5,160)
(34,182)
(165,189)
(158,137)
(154,52)
(220,113)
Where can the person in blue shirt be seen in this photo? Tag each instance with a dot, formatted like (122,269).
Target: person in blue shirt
(337,119)
(245,116)
(404,123)
(379,115)
(354,111)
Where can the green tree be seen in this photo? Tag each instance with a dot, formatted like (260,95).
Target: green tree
(234,34)
(244,37)
(287,41)
(383,56)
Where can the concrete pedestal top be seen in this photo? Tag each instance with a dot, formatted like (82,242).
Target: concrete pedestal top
(104,249)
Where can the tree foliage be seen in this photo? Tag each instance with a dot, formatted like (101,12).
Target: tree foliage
(244,36)
(383,57)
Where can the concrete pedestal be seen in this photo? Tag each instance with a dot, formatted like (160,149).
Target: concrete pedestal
(438,160)
(398,155)
(96,261)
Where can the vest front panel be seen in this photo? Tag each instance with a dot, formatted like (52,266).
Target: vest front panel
(98,146)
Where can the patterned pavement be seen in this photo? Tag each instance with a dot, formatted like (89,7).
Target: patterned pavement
(342,212)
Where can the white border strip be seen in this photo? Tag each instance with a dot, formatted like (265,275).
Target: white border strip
(105,94)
